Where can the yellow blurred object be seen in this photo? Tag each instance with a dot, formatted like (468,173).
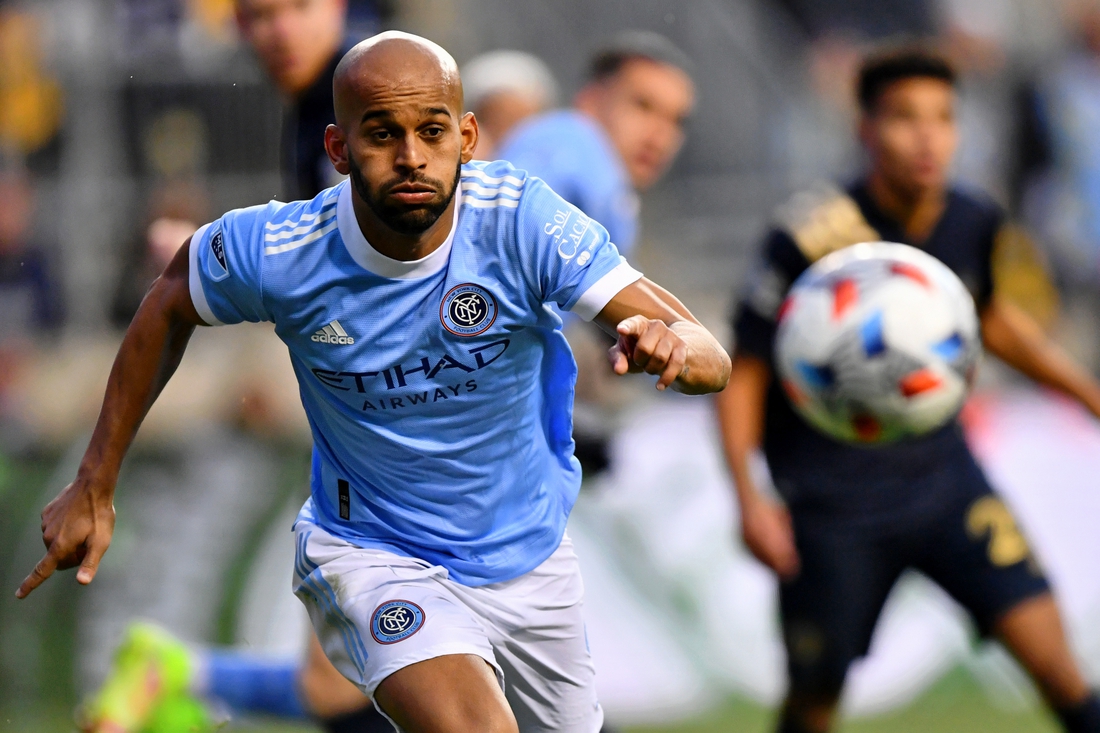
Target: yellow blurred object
(215,17)
(30,101)
(1020,275)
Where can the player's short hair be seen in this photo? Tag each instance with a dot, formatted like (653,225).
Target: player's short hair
(879,70)
(630,45)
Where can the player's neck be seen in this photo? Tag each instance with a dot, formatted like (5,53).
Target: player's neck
(402,247)
(917,212)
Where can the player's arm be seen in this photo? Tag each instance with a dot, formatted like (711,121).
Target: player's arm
(765,523)
(657,334)
(78,524)
(1013,337)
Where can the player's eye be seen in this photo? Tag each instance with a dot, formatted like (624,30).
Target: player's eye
(435,131)
(381,135)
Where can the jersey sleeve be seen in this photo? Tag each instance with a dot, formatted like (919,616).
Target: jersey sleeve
(998,230)
(226,269)
(568,257)
(754,318)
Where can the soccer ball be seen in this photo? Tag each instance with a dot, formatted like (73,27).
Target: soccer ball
(877,342)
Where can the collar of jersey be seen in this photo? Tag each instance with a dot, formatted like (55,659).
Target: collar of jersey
(374,261)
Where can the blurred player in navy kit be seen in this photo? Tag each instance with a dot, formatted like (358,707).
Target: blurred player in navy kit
(854,518)
(299,43)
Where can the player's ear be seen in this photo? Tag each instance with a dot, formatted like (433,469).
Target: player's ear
(336,145)
(467,127)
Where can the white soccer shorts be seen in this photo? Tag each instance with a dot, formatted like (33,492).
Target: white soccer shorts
(376,612)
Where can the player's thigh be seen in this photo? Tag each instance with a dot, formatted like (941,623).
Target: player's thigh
(326,692)
(455,693)
(979,555)
(538,634)
(830,609)
(376,613)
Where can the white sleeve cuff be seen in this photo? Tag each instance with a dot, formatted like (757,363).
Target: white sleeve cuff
(194,281)
(593,300)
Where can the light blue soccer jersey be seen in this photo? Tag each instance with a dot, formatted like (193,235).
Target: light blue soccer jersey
(440,391)
(573,156)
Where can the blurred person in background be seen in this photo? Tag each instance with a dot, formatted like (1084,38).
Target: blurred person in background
(623,132)
(625,128)
(502,89)
(31,297)
(299,43)
(175,210)
(856,517)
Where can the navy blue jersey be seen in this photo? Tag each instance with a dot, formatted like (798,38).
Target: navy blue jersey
(813,472)
(306,167)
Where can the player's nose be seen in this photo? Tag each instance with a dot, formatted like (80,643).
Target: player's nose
(410,153)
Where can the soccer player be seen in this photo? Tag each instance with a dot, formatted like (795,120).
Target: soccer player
(626,127)
(299,43)
(854,518)
(413,299)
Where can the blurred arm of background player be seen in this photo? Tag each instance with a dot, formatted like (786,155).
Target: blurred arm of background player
(765,522)
(1007,332)
(1013,337)
(78,524)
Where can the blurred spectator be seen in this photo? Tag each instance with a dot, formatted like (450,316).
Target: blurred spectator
(30,296)
(502,89)
(30,100)
(865,19)
(1065,199)
(175,212)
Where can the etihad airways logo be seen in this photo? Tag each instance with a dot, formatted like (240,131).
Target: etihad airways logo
(450,377)
(333,333)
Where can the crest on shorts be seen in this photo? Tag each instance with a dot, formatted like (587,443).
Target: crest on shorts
(394,621)
(468,310)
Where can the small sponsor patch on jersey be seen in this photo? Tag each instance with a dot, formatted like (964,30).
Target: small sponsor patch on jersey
(396,621)
(216,266)
(468,310)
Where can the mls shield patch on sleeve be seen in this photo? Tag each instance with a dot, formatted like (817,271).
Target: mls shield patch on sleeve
(216,266)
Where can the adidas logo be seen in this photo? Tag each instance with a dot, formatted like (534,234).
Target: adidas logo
(333,333)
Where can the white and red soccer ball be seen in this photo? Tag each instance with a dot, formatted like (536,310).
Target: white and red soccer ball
(877,342)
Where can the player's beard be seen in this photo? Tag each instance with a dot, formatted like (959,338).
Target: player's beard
(401,219)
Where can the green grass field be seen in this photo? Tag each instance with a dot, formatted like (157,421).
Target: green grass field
(954,705)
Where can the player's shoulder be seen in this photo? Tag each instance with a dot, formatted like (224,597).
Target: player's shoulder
(974,206)
(557,135)
(492,185)
(278,227)
(551,127)
(819,220)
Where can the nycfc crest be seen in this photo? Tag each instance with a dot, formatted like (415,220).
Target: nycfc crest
(468,310)
(394,621)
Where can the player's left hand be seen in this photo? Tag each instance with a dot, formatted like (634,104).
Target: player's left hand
(651,346)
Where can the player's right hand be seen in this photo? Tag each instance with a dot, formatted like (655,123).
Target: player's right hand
(76,529)
(768,533)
